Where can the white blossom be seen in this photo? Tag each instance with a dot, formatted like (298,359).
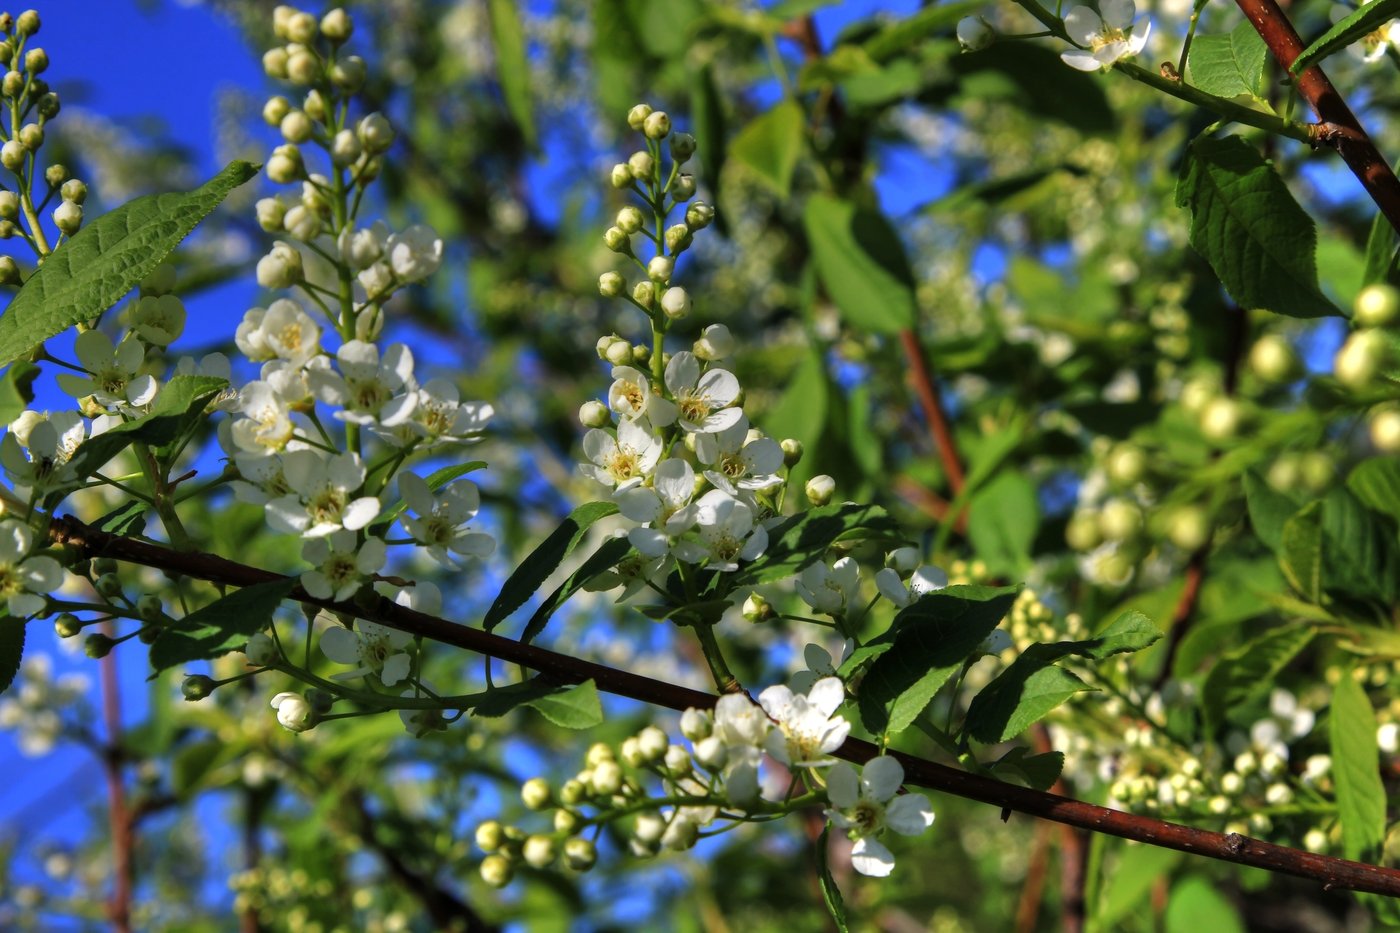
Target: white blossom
(441,525)
(631,396)
(1105,39)
(415,253)
(865,806)
(371,390)
(266,425)
(926,579)
(113,377)
(830,589)
(740,458)
(820,663)
(294,712)
(341,566)
(35,452)
(375,649)
(322,499)
(629,457)
(807,732)
(665,506)
(703,402)
(24,580)
(727,533)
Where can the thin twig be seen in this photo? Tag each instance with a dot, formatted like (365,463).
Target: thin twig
(932,404)
(1331,872)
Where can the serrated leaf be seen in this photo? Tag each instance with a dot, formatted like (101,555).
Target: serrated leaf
(1245,223)
(770,146)
(513,65)
(1038,772)
(831,893)
(606,557)
(220,627)
(106,259)
(803,538)
(1249,670)
(1347,30)
(861,263)
(1382,253)
(1300,551)
(929,640)
(1376,482)
(1356,769)
(576,707)
(1003,518)
(1269,509)
(11,649)
(543,560)
(179,405)
(1229,65)
(16,390)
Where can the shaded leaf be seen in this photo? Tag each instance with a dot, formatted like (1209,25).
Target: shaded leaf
(606,557)
(770,145)
(221,626)
(16,390)
(1349,29)
(576,707)
(11,649)
(1300,551)
(1356,768)
(513,65)
(177,408)
(1197,904)
(543,561)
(803,538)
(1376,482)
(861,263)
(1248,671)
(1269,510)
(831,893)
(1004,516)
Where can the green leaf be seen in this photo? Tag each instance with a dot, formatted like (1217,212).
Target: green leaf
(177,408)
(106,259)
(543,561)
(513,65)
(1196,904)
(1229,66)
(803,538)
(831,893)
(861,263)
(771,144)
(1356,769)
(1382,253)
(1038,772)
(931,639)
(707,117)
(1003,520)
(1130,884)
(194,763)
(1269,510)
(908,34)
(221,626)
(576,707)
(1376,482)
(605,558)
(1349,29)
(1300,554)
(11,649)
(16,390)
(1249,670)
(801,413)
(1245,223)
(1032,78)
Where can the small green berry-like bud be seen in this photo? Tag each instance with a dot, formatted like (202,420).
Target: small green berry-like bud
(974,34)
(55,175)
(302,68)
(614,238)
(7,48)
(1273,359)
(539,851)
(1082,532)
(296,127)
(274,62)
(652,743)
(301,27)
(682,147)
(598,753)
(315,105)
(8,230)
(1376,305)
(490,835)
(1126,464)
(197,686)
(12,85)
(104,565)
(66,625)
(657,125)
(12,155)
(150,608)
(699,215)
(659,269)
(619,353)
(683,187)
(376,133)
(337,26)
(345,148)
(275,110)
(31,136)
(820,489)
(49,105)
(607,778)
(1120,520)
(9,270)
(28,23)
(98,645)
(68,217)
(678,238)
(757,609)
(565,821)
(696,724)
(643,166)
(640,353)
(270,213)
(280,268)
(792,451)
(36,61)
(580,854)
(621,175)
(571,793)
(1356,364)
(9,205)
(593,414)
(1189,527)
(496,870)
(630,220)
(535,793)
(715,343)
(284,165)
(644,294)
(637,116)
(1221,419)
(108,585)
(611,284)
(1385,430)
(349,73)
(676,303)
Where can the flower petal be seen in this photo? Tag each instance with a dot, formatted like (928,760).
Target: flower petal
(909,815)
(881,778)
(870,857)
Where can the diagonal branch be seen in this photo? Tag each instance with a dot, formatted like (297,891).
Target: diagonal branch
(1230,847)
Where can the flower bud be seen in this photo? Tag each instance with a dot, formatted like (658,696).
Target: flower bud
(757,609)
(659,269)
(819,489)
(9,205)
(31,136)
(98,645)
(630,753)
(73,190)
(571,793)
(535,793)
(270,213)
(715,343)
(1125,465)
(7,47)
(644,294)
(648,828)
(275,110)
(792,451)
(598,753)
(490,835)
(65,624)
(676,303)
(677,238)
(303,68)
(580,854)
(643,166)
(12,155)
(1082,532)
(197,687)
(677,760)
(36,61)
(611,284)
(260,650)
(295,126)
(367,169)
(301,27)
(1189,527)
(621,175)
(974,34)
(337,26)
(302,223)
(315,105)
(637,116)
(683,188)
(696,724)
(641,353)
(281,268)
(680,834)
(711,753)
(49,105)
(1221,419)
(619,353)
(629,220)
(284,165)
(1385,430)
(1356,365)
(345,148)
(12,85)
(27,24)
(657,125)
(9,270)
(593,414)
(1273,359)
(652,743)
(613,238)
(150,608)
(1376,306)
(565,821)
(699,215)
(8,229)
(1120,520)
(349,73)
(497,871)
(376,133)
(274,62)
(607,778)
(539,851)
(682,147)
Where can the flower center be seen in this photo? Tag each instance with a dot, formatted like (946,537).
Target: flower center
(868,815)
(623,463)
(695,408)
(327,506)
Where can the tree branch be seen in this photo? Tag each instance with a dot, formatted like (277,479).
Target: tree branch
(1230,847)
(119,816)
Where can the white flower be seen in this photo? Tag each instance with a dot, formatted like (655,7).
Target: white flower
(442,523)
(727,533)
(441,413)
(807,731)
(924,580)
(372,391)
(632,573)
(341,567)
(630,395)
(740,458)
(1106,39)
(249,337)
(24,580)
(665,505)
(289,333)
(373,648)
(702,401)
(715,343)
(415,253)
(830,589)
(363,248)
(865,806)
(820,663)
(627,458)
(112,370)
(263,479)
(320,501)
(294,712)
(51,439)
(267,424)
(740,731)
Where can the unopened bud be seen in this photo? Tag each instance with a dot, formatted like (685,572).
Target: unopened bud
(303,68)
(98,645)
(345,148)
(974,34)
(621,175)
(637,116)
(66,625)
(539,851)
(295,126)
(376,133)
(73,190)
(611,284)
(68,217)
(644,294)
(715,343)
(683,188)
(49,105)
(657,125)
(270,213)
(678,238)
(535,793)
(676,303)
(819,489)
(615,239)
(619,353)
(36,61)
(149,608)
(643,166)
(792,451)
(12,155)
(757,609)
(696,724)
(9,205)
(337,26)
(594,414)
(682,147)
(280,268)
(31,136)
(490,835)
(284,165)
(497,871)
(27,24)
(301,27)
(580,854)
(699,215)
(197,687)
(12,85)
(274,62)
(1376,305)
(629,220)
(315,105)
(659,269)
(349,73)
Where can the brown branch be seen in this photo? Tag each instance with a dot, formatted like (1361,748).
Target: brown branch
(119,816)
(1333,873)
(933,410)
(1338,126)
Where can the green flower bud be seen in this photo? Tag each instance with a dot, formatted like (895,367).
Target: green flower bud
(303,68)
(1120,520)
(9,205)
(376,133)
(630,220)
(9,270)
(150,608)
(108,585)
(676,303)
(571,793)
(1126,464)
(7,48)
(489,836)
(640,353)
(1385,430)
(296,127)
(38,87)
(68,217)
(275,110)
(28,23)
(792,451)
(637,116)
(104,565)
(757,609)
(616,240)
(349,73)
(345,148)
(36,61)
(1082,532)
(536,794)
(683,188)
(497,871)
(49,105)
(619,353)
(12,85)
(580,854)
(337,26)
(593,414)
(197,687)
(678,238)
(1273,359)
(274,62)
(565,821)
(320,700)
(368,169)
(643,166)
(611,284)
(1189,527)
(1357,362)
(699,215)
(1376,305)
(301,27)
(820,489)
(644,294)
(539,851)
(284,165)
(66,625)
(1221,419)
(98,645)
(682,147)
(621,175)
(315,105)
(12,155)
(31,136)
(8,229)
(55,175)
(657,125)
